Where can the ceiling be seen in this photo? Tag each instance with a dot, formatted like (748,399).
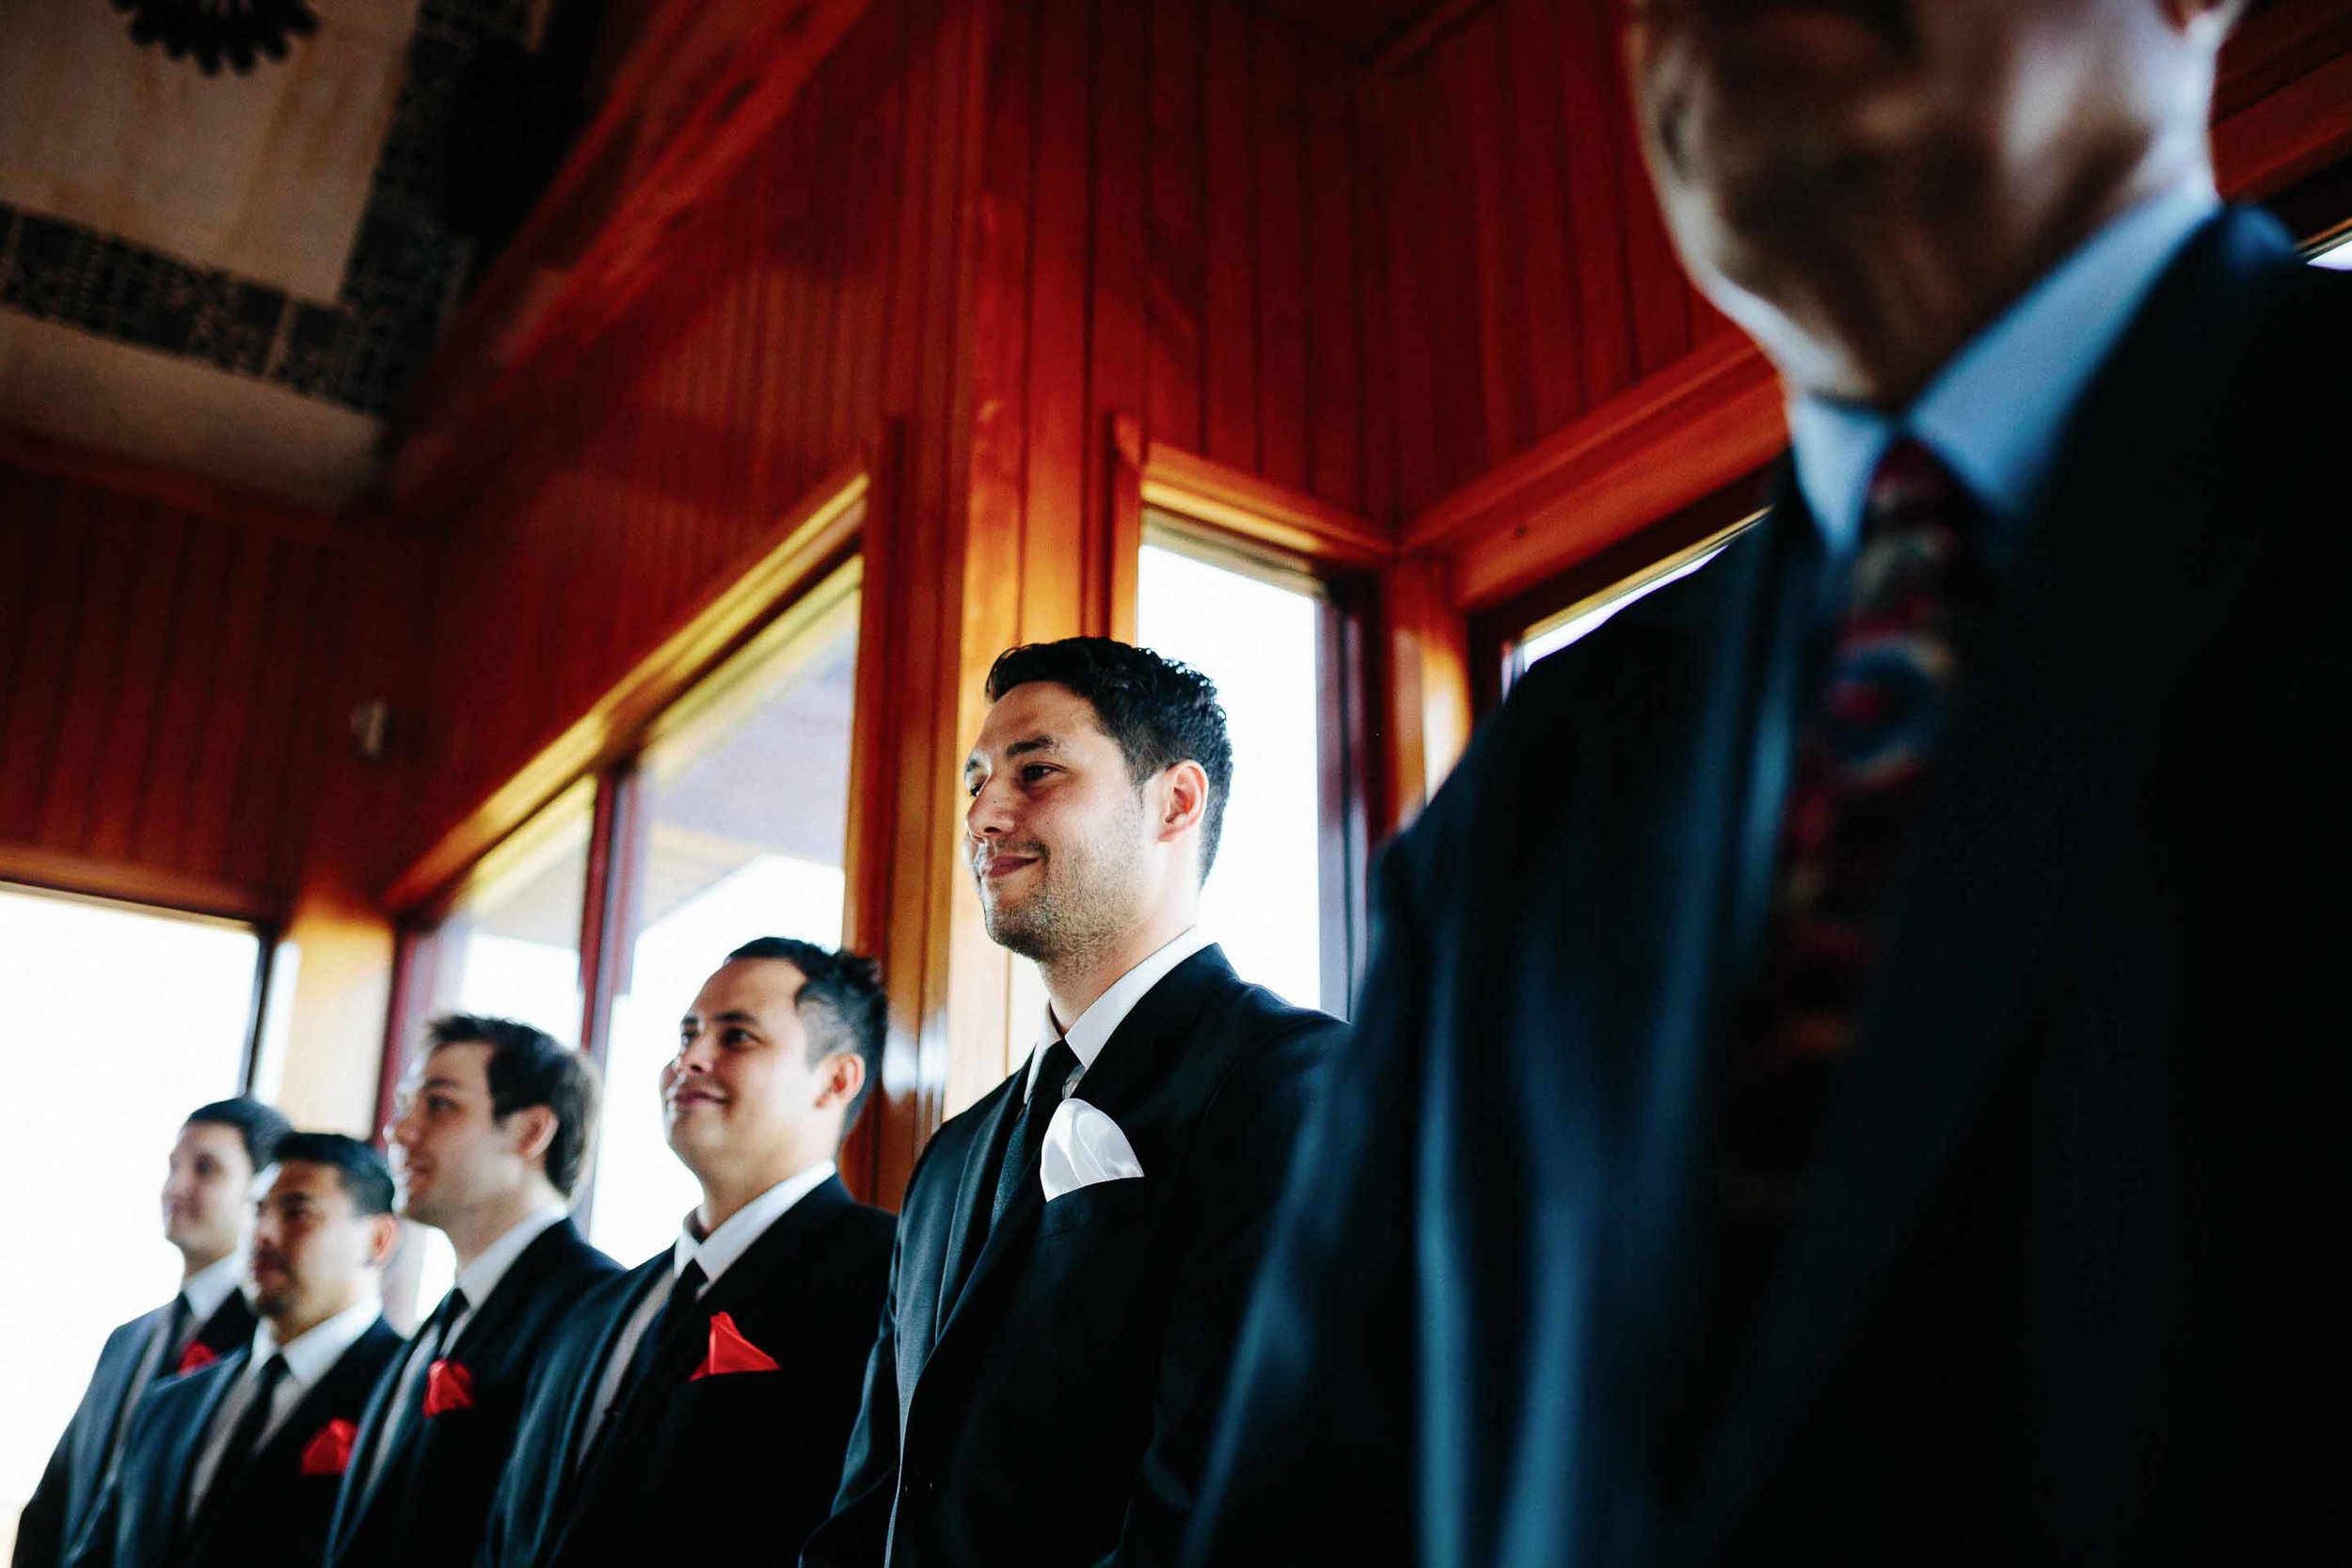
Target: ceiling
(233,274)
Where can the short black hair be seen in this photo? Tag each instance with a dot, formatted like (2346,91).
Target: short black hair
(529,1067)
(841,1002)
(260,1126)
(359,1166)
(1159,711)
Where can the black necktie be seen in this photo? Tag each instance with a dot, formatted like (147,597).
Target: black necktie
(175,1335)
(1027,1143)
(244,1438)
(676,1315)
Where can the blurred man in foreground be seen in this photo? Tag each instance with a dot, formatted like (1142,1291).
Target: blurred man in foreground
(1850,1066)
(700,1401)
(208,1210)
(492,1133)
(236,1465)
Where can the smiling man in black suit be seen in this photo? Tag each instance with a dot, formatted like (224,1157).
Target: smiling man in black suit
(208,1209)
(492,1132)
(700,1403)
(1852,1064)
(236,1465)
(1075,1248)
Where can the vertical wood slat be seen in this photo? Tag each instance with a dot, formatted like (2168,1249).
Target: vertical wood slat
(1229,308)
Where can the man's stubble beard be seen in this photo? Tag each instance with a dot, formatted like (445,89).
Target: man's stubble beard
(1083,919)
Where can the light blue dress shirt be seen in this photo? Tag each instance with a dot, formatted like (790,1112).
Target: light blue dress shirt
(1997,412)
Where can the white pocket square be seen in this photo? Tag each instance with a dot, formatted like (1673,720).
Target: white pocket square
(1083,1147)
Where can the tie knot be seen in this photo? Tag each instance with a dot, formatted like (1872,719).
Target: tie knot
(1910,482)
(691,1280)
(272,1370)
(1052,1073)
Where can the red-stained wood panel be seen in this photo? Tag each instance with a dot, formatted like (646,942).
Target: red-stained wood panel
(154,693)
(1278,252)
(1176,276)
(1335,290)
(1229,317)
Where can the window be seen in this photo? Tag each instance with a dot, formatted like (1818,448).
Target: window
(2335,253)
(111,1014)
(1588,616)
(1277,897)
(742,814)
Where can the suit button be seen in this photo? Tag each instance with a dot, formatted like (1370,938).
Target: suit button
(917,1484)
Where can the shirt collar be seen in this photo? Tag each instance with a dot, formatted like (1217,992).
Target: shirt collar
(1997,412)
(1096,1025)
(481,1277)
(718,1251)
(311,1354)
(209,1288)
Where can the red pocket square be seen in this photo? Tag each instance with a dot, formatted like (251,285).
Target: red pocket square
(329,1452)
(448,1386)
(731,1353)
(199,1353)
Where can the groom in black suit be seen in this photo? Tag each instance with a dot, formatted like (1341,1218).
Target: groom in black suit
(492,1131)
(696,1406)
(208,1209)
(1853,1065)
(1075,1248)
(236,1463)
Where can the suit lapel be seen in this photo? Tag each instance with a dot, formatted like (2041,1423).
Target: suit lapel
(179,1460)
(968,1223)
(357,1498)
(2091,638)
(760,1275)
(1138,1058)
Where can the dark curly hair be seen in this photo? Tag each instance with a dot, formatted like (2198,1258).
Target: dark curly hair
(1158,711)
(840,1002)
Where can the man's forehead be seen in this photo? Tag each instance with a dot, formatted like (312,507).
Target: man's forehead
(1037,717)
(210,1137)
(302,1179)
(458,1064)
(745,985)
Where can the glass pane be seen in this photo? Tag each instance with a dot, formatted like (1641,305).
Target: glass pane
(742,812)
(1257,635)
(1580,621)
(146,1015)
(2338,256)
(510,946)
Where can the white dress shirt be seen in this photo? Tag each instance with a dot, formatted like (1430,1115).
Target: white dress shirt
(1096,1025)
(716,1253)
(310,1356)
(208,1290)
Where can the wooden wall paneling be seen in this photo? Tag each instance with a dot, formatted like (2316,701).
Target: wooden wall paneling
(59,564)
(1118,343)
(1445,233)
(1278,252)
(1057,547)
(1411,211)
(1123,506)
(1333,263)
(1381,387)
(1176,275)
(1488,112)
(266,824)
(1229,316)
(205,588)
(1593,170)
(65,800)
(143,643)
(1527,35)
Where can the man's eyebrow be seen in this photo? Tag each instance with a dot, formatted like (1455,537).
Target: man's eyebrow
(1028,746)
(733,1015)
(437,1081)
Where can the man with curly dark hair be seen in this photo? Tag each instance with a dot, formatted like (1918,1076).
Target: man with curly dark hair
(1075,1248)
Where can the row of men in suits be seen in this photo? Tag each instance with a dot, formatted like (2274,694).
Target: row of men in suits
(1842,1071)
(1024,1368)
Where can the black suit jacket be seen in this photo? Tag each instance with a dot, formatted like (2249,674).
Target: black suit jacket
(1055,1410)
(70,1487)
(735,1469)
(434,1494)
(2058,1291)
(275,1516)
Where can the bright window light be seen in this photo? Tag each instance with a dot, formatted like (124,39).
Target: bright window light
(114,1022)
(1255,634)
(743,809)
(2336,255)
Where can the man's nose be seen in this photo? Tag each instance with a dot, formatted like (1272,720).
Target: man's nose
(989,814)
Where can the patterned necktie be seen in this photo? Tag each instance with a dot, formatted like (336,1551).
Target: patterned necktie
(1884,697)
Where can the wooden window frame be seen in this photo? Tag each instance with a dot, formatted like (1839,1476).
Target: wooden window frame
(828,533)
(1238,519)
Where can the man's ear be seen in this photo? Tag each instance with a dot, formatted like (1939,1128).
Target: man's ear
(536,1127)
(840,1077)
(383,1235)
(1184,798)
